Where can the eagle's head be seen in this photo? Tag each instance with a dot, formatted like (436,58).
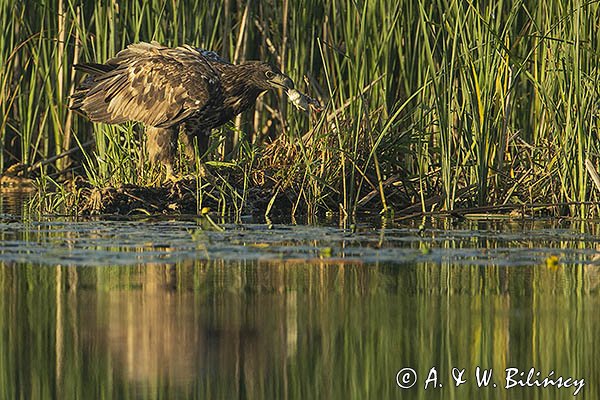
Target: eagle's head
(267,76)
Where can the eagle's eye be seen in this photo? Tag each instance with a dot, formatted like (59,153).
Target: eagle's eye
(270,74)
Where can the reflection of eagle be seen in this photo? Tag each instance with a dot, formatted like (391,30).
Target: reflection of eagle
(166,88)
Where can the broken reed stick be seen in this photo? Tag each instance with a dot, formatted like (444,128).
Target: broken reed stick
(593,173)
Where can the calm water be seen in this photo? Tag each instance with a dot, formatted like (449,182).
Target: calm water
(170,308)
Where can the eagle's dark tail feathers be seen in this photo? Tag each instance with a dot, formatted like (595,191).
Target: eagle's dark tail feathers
(93,70)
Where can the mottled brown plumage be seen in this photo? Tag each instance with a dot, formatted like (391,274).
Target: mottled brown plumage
(166,88)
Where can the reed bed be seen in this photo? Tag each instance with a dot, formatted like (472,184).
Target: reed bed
(431,105)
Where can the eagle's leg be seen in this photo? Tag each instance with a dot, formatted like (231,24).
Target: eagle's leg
(196,142)
(161,144)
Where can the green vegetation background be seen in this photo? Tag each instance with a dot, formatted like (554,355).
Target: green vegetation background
(443,104)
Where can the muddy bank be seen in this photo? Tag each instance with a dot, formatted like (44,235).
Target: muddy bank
(184,197)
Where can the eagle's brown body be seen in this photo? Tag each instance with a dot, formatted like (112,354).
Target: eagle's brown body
(168,88)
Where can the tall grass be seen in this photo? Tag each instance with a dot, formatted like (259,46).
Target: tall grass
(442,103)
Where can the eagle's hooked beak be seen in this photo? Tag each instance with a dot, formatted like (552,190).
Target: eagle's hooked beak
(282,81)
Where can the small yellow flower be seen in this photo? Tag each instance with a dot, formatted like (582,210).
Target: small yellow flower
(326,252)
(552,262)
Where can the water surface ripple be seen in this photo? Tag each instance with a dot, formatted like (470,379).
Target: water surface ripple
(129,242)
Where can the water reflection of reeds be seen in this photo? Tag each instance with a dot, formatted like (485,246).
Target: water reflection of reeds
(273,330)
